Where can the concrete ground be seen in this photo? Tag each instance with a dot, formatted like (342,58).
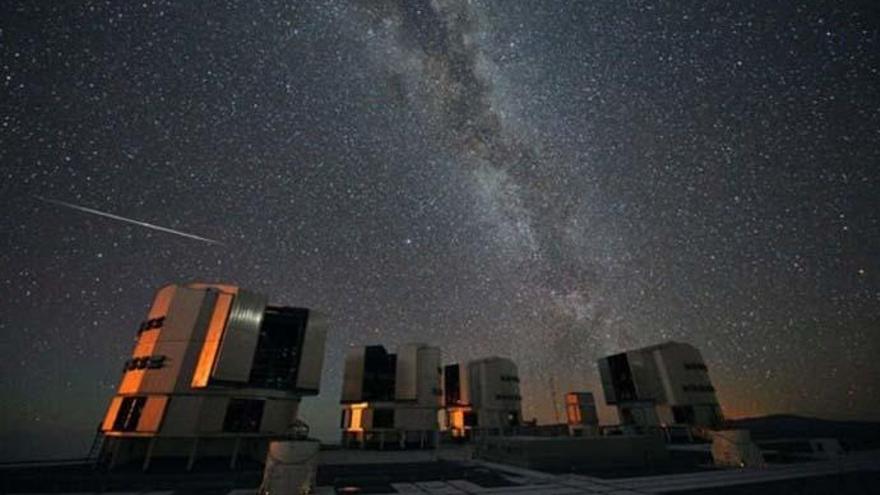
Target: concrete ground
(452,472)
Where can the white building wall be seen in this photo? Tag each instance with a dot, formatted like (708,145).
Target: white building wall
(406,374)
(353,375)
(494,391)
(312,361)
(429,377)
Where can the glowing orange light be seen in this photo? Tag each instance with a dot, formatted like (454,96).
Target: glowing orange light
(162,302)
(230,289)
(456,420)
(357,411)
(212,340)
(112,412)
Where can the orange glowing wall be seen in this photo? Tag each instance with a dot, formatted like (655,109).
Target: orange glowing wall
(112,412)
(151,416)
(131,380)
(456,420)
(212,340)
(572,409)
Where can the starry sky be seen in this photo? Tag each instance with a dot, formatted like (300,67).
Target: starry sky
(547,181)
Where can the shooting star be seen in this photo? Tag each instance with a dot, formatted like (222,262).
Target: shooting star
(127,220)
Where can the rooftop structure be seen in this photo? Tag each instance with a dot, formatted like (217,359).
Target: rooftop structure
(663,384)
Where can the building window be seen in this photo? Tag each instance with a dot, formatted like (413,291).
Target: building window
(243,416)
(695,366)
(509,378)
(129,413)
(683,414)
(621,377)
(470,419)
(278,348)
(380,370)
(383,418)
(452,384)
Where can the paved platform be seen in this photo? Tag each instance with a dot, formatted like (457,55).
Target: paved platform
(856,473)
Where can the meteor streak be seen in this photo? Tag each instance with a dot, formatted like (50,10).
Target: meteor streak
(128,220)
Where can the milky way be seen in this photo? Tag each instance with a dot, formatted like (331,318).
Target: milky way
(546,181)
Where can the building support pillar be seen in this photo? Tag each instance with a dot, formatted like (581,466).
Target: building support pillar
(235,449)
(192,454)
(114,453)
(149,454)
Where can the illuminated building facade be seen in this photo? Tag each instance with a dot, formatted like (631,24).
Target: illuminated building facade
(216,371)
(665,384)
(482,397)
(580,413)
(391,399)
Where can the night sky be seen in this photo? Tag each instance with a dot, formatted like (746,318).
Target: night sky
(548,181)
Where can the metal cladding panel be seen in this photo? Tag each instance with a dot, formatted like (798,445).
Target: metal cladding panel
(240,338)
(607,383)
(676,361)
(182,416)
(415,418)
(162,301)
(476,383)
(212,413)
(353,376)
(311,360)
(645,376)
(171,340)
(488,387)
(151,417)
(667,376)
(182,315)
(163,380)
(180,308)
(429,377)
(220,304)
(112,412)
(189,361)
(406,374)
(367,418)
(464,379)
(277,416)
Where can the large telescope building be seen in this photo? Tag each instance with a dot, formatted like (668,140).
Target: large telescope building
(217,371)
(661,385)
(482,397)
(391,398)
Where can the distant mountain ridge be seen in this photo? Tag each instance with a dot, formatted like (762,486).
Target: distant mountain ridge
(854,435)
